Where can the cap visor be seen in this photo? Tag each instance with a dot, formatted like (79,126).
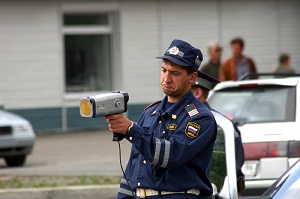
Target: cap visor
(174,60)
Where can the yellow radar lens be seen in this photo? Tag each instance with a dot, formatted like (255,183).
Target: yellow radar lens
(86,108)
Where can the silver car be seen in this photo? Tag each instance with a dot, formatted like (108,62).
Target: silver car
(267,112)
(17,138)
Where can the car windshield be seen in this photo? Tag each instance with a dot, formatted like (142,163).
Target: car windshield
(286,186)
(256,104)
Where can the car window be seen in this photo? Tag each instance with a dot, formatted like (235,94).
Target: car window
(256,104)
(218,161)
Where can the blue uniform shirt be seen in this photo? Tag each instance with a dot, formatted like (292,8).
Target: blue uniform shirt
(175,157)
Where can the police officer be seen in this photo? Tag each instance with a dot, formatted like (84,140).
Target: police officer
(201,87)
(172,143)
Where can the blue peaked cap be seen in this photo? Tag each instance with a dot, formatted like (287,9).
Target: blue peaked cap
(205,81)
(183,54)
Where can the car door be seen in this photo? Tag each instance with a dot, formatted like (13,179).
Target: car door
(223,163)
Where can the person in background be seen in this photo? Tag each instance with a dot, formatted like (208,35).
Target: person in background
(173,141)
(238,65)
(283,66)
(212,66)
(201,88)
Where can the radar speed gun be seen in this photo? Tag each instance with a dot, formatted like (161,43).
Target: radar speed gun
(105,104)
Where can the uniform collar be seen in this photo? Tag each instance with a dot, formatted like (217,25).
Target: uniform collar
(178,106)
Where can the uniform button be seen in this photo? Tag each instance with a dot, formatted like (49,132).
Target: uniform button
(144,161)
(130,138)
(139,184)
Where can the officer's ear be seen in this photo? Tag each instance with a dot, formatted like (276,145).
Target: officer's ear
(193,77)
(197,91)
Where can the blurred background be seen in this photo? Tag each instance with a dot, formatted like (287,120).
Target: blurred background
(54,52)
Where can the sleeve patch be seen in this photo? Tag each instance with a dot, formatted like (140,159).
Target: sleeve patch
(192,129)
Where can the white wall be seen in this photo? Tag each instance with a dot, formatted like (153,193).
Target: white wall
(30,54)
(289,30)
(31,49)
(268,28)
(139,48)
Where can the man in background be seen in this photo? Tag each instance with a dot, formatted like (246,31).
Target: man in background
(212,66)
(283,66)
(238,65)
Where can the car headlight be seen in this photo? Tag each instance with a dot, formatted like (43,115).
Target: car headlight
(22,127)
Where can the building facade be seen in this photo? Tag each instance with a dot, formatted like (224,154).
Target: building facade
(54,52)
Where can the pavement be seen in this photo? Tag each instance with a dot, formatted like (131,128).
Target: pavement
(84,153)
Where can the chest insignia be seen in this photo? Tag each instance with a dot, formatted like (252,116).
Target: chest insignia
(192,129)
(172,127)
(192,111)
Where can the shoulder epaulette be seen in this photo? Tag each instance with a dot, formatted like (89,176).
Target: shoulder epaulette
(152,104)
(192,111)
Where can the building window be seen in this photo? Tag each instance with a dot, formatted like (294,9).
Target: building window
(87,42)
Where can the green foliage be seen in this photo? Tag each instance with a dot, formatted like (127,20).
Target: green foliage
(55,181)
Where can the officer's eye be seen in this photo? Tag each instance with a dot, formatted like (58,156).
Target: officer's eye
(175,73)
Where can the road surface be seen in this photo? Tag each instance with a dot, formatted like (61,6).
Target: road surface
(78,153)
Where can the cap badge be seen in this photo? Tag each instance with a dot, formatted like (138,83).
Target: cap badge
(174,50)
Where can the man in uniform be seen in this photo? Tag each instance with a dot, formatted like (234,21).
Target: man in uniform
(201,87)
(172,143)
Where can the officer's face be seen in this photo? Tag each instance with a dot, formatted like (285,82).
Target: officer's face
(175,81)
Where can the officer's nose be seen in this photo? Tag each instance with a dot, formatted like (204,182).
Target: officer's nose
(167,77)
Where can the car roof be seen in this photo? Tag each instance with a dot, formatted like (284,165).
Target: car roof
(288,81)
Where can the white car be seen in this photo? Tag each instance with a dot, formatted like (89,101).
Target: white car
(267,112)
(17,138)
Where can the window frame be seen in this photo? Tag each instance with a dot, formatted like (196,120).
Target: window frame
(111,28)
(112,9)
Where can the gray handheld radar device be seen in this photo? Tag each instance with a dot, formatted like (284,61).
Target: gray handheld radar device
(105,104)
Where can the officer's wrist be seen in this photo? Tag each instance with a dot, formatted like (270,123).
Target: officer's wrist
(130,127)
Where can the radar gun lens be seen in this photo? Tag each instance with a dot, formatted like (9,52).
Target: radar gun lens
(86,108)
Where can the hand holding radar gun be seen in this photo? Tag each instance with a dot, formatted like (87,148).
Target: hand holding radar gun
(105,104)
